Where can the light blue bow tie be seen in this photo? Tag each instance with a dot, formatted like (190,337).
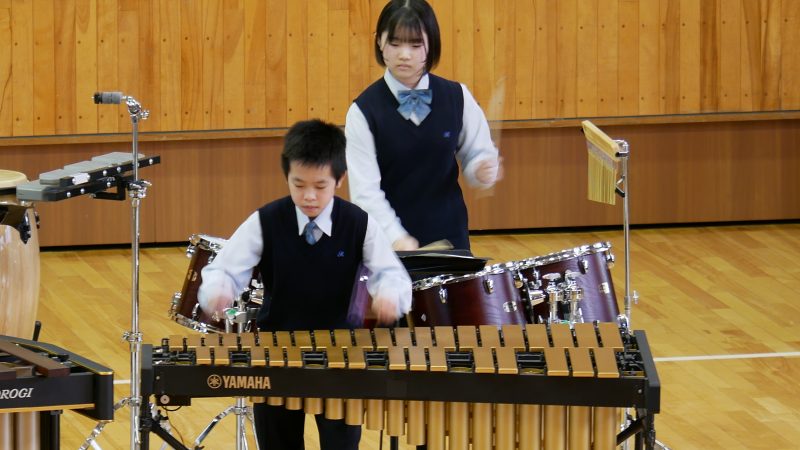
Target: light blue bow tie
(415,101)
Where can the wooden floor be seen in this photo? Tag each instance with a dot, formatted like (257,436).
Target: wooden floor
(719,305)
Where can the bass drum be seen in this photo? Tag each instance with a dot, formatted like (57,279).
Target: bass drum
(593,263)
(19,260)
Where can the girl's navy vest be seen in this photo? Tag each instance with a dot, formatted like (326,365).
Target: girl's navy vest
(308,287)
(419,171)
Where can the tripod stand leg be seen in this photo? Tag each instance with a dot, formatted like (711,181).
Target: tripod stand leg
(253,426)
(213,424)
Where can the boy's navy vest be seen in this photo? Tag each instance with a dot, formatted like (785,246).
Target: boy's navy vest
(419,172)
(308,287)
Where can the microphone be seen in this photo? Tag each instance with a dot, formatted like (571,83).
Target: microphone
(106,98)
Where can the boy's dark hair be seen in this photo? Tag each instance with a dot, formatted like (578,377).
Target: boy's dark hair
(405,20)
(315,143)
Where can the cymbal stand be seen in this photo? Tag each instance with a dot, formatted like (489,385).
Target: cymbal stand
(137,190)
(237,316)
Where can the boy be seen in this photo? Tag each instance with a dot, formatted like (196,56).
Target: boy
(308,248)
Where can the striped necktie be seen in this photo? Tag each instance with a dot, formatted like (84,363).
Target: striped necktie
(309,233)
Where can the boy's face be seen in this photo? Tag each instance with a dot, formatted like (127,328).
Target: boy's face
(311,187)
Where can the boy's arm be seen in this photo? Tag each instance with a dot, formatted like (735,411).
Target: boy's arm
(389,283)
(231,270)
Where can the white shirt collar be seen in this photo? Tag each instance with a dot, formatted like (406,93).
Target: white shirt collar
(395,85)
(323,220)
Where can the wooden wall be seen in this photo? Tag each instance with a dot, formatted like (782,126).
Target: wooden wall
(233,64)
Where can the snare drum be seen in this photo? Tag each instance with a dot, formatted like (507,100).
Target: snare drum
(19,263)
(488,297)
(185,308)
(592,262)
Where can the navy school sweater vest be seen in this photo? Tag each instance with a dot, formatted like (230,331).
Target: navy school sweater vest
(419,171)
(308,287)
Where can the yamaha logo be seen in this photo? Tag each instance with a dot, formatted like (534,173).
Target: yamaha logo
(214,381)
(237,382)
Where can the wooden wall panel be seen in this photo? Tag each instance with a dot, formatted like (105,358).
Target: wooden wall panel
(44,77)
(679,173)
(233,64)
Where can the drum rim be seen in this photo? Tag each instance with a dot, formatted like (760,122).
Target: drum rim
(564,255)
(202,240)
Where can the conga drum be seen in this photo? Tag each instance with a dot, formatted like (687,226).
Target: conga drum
(19,265)
(19,297)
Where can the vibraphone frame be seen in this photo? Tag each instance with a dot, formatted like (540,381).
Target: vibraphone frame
(176,384)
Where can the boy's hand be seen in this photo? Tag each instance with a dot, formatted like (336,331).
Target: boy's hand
(218,304)
(490,171)
(406,242)
(385,310)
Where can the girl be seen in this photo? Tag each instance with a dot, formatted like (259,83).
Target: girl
(408,133)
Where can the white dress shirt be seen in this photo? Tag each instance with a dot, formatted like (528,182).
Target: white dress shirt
(231,270)
(474,146)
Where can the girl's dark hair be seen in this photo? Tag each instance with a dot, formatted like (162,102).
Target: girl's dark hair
(315,143)
(406,20)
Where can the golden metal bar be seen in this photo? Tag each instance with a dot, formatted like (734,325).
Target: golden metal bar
(7,430)
(415,434)
(221,356)
(537,336)
(604,428)
(176,343)
(294,357)
(416,358)
(504,428)
(606,362)
(397,358)
(383,338)
(211,340)
(610,335)
(423,337)
(203,356)
(556,361)
(562,335)
(313,406)
(467,337)
(322,339)
(458,425)
(445,338)
(506,360)
(484,361)
(375,414)
(555,427)
(247,340)
(490,336)
(530,427)
(257,357)
(481,425)
(363,339)
(275,357)
(302,339)
(275,401)
(355,358)
(194,341)
(586,335)
(284,339)
(266,339)
(395,418)
(354,411)
(513,338)
(294,403)
(343,338)
(437,358)
(334,408)
(230,340)
(402,337)
(579,429)
(581,362)
(436,426)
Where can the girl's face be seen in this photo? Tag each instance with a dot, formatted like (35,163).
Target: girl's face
(405,58)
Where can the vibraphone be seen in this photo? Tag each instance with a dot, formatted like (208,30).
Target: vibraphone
(525,387)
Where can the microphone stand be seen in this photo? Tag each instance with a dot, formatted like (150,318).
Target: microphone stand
(137,190)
